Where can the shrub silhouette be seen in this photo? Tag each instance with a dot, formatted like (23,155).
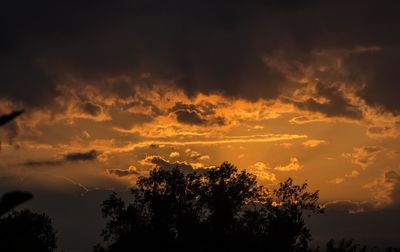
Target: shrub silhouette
(25,231)
(221,209)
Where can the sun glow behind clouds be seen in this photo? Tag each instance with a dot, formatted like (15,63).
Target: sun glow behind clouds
(301,133)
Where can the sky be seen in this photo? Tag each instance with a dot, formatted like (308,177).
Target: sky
(111,89)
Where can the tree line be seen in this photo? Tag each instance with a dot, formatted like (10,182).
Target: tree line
(220,209)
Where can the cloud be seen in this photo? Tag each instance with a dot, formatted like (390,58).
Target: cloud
(363,156)
(351,207)
(385,190)
(200,114)
(157,161)
(307,119)
(313,143)
(82,156)
(69,157)
(337,181)
(10,127)
(189,117)
(174,154)
(33,163)
(294,165)
(132,170)
(228,58)
(263,172)
(382,131)
(331,100)
(195,155)
(285,145)
(12,130)
(353,174)
(378,72)
(91,108)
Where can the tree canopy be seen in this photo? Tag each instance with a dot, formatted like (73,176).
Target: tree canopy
(25,231)
(220,209)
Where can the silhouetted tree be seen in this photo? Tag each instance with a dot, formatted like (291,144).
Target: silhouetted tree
(13,199)
(25,231)
(225,192)
(286,226)
(221,209)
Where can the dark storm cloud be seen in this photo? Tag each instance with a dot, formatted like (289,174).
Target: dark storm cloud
(207,46)
(338,105)
(82,156)
(379,71)
(69,157)
(33,163)
(91,108)
(189,117)
(202,114)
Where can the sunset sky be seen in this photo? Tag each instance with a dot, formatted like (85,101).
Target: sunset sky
(111,89)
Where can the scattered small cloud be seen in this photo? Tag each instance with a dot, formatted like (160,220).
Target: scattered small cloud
(363,156)
(263,173)
(285,145)
(174,154)
(294,165)
(132,170)
(159,162)
(385,189)
(195,155)
(313,143)
(204,157)
(353,174)
(382,131)
(337,181)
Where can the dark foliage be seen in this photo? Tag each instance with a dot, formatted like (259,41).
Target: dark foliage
(25,231)
(220,210)
(12,199)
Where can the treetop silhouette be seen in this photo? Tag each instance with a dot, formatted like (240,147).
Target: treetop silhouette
(222,209)
(25,231)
